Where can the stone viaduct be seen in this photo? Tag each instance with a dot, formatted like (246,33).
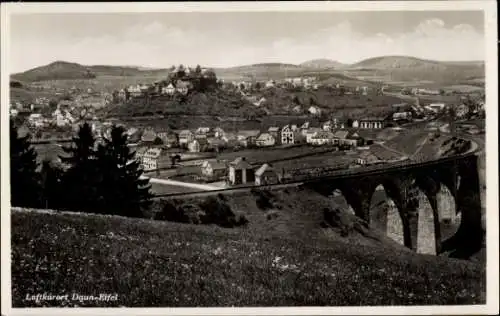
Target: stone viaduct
(403,183)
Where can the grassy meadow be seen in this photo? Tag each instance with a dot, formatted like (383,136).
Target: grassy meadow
(282,257)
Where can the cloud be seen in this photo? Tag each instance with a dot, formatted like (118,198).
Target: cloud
(156,44)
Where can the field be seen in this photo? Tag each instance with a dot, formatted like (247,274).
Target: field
(153,263)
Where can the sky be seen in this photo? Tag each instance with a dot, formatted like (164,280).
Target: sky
(224,39)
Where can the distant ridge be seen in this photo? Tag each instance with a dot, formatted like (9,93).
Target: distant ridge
(411,66)
(408,62)
(322,63)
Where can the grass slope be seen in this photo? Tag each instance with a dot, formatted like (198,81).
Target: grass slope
(153,263)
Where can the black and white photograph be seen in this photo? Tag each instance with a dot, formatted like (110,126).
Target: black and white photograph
(337,156)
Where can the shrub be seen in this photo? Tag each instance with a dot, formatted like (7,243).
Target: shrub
(218,212)
(263,199)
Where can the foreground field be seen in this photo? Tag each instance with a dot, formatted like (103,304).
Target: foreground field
(154,263)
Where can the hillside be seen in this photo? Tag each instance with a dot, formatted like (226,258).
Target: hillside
(156,263)
(398,62)
(61,70)
(264,71)
(398,69)
(322,63)
(215,103)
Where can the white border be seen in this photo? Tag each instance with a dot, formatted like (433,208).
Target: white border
(490,11)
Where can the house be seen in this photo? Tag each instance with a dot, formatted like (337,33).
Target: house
(353,139)
(436,107)
(401,116)
(218,132)
(311,132)
(265,140)
(274,130)
(297,109)
(182,87)
(259,103)
(266,175)
(338,123)
(287,135)
(367,158)
(185,137)
(461,111)
(203,130)
(270,84)
(194,146)
(133,134)
(135,91)
(215,143)
(169,138)
(36,119)
(169,90)
(148,136)
(240,171)
(214,169)
(374,123)
(323,138)
(304,126)
(314,110)
(341,137)
(327,126)
(247,137)
(149,158)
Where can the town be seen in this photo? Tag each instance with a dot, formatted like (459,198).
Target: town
(211,154)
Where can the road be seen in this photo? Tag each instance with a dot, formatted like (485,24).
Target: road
(203,187)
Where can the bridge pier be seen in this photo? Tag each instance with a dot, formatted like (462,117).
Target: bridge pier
(470,234)
(358,194)
(402,190)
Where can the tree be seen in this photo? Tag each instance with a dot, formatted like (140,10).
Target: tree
(124,191)
(24,180)
(198,69)
(158,141)
(81,181)
(51,175)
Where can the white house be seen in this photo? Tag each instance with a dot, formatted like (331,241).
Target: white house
(194,146)
(327,126)
(436,107)
(461,110)
(213,169)
(149,159)
(287,135)
(314,110)
(182,87)
(371,123)
(265,139)
(322,138)
(185,137)
(270,84)
(170,89)
(311,132)
(266,175)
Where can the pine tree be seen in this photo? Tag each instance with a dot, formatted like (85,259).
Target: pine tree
(51,175)
(81,181)
(124,192)
(24,179)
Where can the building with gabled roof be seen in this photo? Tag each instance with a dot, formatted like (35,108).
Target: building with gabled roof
(266,175)
(240,172)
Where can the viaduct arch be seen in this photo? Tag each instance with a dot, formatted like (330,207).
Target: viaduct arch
(410,187)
